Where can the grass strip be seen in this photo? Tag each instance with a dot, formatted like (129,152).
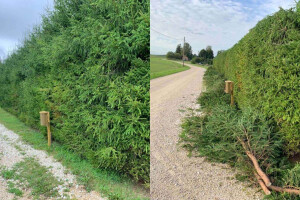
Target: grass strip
(30,174)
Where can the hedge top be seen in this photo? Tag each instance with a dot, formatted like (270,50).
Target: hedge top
(265,67)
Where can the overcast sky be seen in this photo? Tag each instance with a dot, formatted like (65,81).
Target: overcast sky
(17,18)
(219,23)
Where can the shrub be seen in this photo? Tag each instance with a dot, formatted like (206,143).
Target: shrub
(172,55)
(88,64)
(195,60)
(177,56)
(265,67)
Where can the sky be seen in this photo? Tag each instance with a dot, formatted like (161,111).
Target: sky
(218,23)
(17,18)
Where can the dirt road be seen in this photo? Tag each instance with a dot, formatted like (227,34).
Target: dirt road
(174,176)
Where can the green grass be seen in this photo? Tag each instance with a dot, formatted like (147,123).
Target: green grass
(109,183)
(159,67)
(12,189)
(30,174)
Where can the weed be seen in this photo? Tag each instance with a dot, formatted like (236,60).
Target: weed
(12,189)
(30,174)
(8,174)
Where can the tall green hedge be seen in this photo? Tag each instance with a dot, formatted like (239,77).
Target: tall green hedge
(88,64)
(265,68)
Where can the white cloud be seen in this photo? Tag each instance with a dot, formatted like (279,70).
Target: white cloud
(219,23)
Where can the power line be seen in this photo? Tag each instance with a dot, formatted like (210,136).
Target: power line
(164,34)
(195,37)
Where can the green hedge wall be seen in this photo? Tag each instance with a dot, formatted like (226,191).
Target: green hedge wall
(265,67)
(88,64)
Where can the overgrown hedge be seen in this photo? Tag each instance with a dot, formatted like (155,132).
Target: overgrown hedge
(265,69)
(88,64)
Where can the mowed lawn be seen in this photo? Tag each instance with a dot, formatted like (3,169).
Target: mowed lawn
(159,67)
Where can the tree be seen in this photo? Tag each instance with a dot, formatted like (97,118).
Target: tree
(178,56)
(203,54)
(178,49)
(206,55)
(170,55)
(195,60)
(188,50)
(209,52)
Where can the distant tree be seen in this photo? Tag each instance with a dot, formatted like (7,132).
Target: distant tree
(209,53)
(195,60)
(170,55)
(178,56)
(206,55)
(178,49)
(202,54)
(188,50)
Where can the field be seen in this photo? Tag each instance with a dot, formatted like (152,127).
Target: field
(159,67)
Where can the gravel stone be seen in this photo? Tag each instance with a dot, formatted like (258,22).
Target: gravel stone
(10,155)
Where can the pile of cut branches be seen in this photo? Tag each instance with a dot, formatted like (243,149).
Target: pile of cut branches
(246,140)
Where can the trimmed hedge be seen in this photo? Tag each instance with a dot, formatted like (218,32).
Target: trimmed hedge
(88,64)
(265,67)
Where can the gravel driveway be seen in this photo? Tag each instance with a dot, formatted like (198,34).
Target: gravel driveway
(173,174)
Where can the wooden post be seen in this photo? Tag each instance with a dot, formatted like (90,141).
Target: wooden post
(229,90)
(183,57)
(231,95)
(45,121)
(48,130)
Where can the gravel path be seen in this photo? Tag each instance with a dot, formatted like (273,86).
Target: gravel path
(173,174)
(13,150)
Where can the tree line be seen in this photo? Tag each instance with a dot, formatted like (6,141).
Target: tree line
(205,56)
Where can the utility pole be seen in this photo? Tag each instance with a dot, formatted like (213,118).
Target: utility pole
(183,51)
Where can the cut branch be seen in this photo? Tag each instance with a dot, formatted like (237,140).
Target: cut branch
(264,177)
(288,190)
(262,184)
(260,172)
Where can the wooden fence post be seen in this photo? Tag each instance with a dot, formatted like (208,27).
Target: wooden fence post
(229,90)
(45,121)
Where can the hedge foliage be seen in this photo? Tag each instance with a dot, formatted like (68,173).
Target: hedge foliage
(88,64)
(265,68)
